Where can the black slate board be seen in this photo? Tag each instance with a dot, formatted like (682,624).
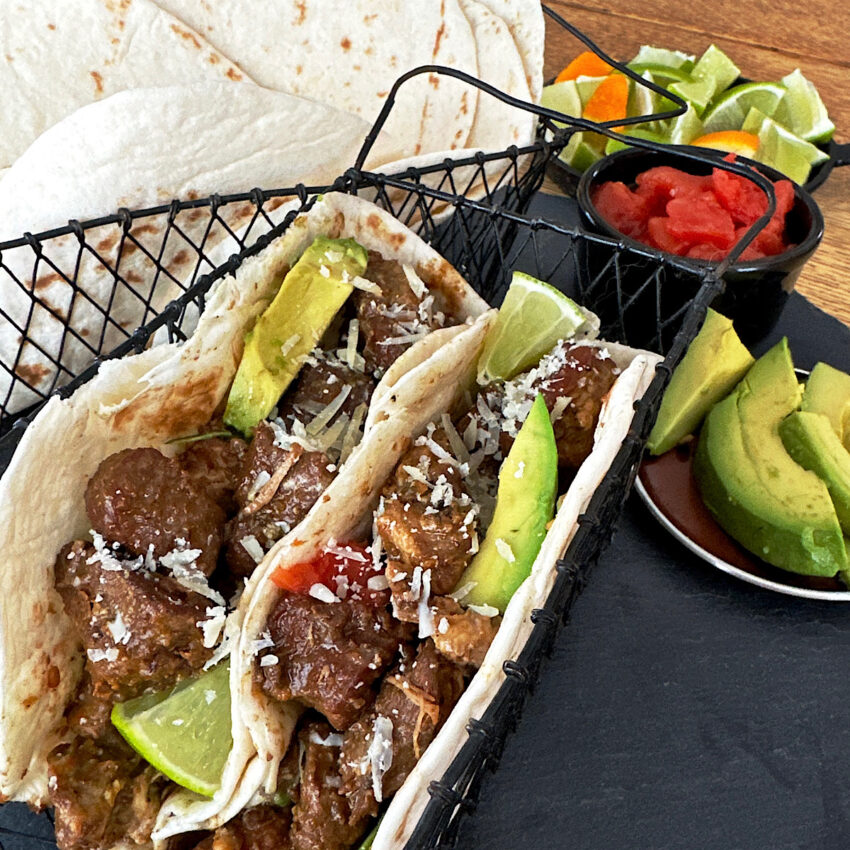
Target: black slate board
(682,708)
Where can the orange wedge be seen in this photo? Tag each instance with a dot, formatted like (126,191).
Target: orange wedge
(586,64)
(609,101)
(731,141)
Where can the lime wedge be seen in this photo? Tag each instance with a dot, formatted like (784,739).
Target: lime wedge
(781,149)
(578,154)
(660,73)
(754,121)
(638,133)
(713,73)
(730,109)
(684,128)
(803,111)
(666,58)
(562,97)
(532,318)
(184,733)
(642,100)
(587,86)
(715,65)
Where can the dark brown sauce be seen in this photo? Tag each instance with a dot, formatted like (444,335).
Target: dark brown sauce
(670,484)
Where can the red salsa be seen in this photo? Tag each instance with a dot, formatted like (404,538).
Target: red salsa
(695,216)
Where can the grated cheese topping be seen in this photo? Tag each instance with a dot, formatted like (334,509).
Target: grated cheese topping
(484,610)
(269,660)
(118,629)
(252,546)
(504,549)
(359,282)
(322,593)
(96,655)
(380,753)
(416,283)
(212,625)
(426,615)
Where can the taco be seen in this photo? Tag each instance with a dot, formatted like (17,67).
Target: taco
(118,562)
(379,627)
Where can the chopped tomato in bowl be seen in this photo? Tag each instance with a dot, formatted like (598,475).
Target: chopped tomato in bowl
(685,216)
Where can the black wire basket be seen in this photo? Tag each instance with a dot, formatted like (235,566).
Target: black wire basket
(155,267)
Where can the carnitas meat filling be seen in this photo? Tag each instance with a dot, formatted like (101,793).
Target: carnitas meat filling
(176,530)
(374,640)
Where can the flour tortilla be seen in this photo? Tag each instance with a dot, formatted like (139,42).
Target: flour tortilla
(146,400)
(138,149)
(56,56)
(349,53)
(342,517)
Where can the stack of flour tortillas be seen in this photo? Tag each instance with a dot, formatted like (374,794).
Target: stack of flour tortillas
(129,103)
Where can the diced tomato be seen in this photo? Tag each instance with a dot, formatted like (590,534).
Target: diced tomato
(622,208)
(742,198)
(662,184)
(345,570)
(700,219)
(660,237)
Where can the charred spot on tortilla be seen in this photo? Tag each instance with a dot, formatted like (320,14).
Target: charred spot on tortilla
(186,35)
(234,75)
(32,373)
(98,82)
(108,242)
(47,280)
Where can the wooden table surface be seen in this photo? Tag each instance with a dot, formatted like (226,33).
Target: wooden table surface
(766,40)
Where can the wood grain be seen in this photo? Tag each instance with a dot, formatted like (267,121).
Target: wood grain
(766,40)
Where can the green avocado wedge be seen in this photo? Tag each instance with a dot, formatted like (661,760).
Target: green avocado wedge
(828,392)
(810,440)
(311,294)
(525,502)
(715,361)
(759,495)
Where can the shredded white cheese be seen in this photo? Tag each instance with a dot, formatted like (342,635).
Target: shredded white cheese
(331,409)
(353,432)
(324,271)
(455,440)
(334,739)
(118,629)
(443,626)
(426,615)
(561,404)
(504,549)
(290,344)
(322,593)
(380,753)
(212,626)
(252,546)
(96,655)
(263,642)
(484,610)
(269,660)
(416,283)
(359,282)
(377,583)
(463,592)
(520,469)
(351,343)
(209,696)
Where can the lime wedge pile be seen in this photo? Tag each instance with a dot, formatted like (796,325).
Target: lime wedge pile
(787,118)
(532,318)
(184,733)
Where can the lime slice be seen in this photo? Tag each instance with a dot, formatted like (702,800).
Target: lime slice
(184,733)
(666,58)
(562,97)
(730,109)
(802,111)
(754,121)
(698,92)
(532,318)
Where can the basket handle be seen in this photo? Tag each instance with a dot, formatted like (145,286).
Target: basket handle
(605,128)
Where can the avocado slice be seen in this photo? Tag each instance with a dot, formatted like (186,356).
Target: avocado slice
(811,441)
(758,494)
(311,294)
(525,502)
(828,392)
(715,361)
